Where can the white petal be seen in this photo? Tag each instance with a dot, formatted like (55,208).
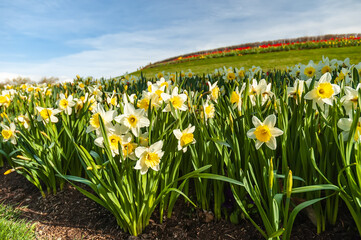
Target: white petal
(344,124)
(272,143)
(250,133)
(177,133)
(258,144)
(139,151)
(156,146)
(325,77)
(270,120)
(256,122)
(276,132)
(311,94)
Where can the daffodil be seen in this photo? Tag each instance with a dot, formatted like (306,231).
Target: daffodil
(209,110)
(265,132)
(8,133)
(162,82)
(149,157)
(107,118)
(214,90)
(134,119)
(177,100)
(4,100)
(24,119)
(350,100)
(236,99)
(66,104)
(96,92)
(117,136)
(185,137)
(297,90)
(323,91)
(230,76)
(47,114)
(309,70)
(112,100)
(345,125)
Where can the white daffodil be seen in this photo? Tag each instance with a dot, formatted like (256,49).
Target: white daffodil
(96,92)
(66,104)
(236,99)
(107,117)
(308,71)
(209,110)
(177,100)
(350,100)
(117,136)
(149,157)
(323,91)
(159,75)
(47,114)
(134,119)
(189,73)
(8,133)
(129,150)
(230,76)
(185,137)
(112,100)
(215,91)
(259,89)
(24,119)
(240,73)
(265,132)
(345,125)
(162,82)
(297,90)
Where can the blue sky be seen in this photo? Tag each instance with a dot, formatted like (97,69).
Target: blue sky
(63,38)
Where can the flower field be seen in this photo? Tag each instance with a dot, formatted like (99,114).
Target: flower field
(270,144)
(333,42)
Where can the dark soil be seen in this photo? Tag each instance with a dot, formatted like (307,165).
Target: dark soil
(70,215)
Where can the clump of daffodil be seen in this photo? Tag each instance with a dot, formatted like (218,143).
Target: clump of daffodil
(149,157)
(345,125)
(47,114)
(265,132)
(323,91)
(8,133)
(185,137)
